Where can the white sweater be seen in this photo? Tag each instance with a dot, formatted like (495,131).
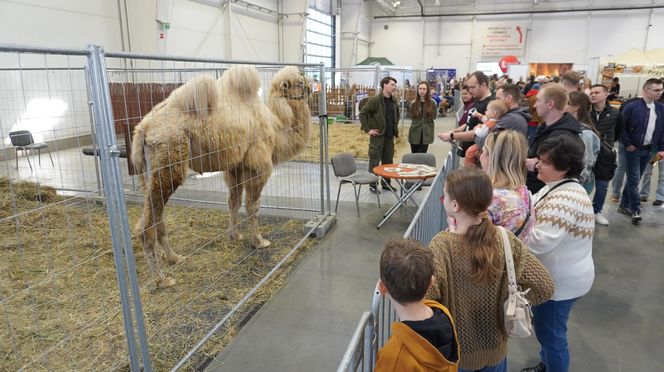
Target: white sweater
(563,238)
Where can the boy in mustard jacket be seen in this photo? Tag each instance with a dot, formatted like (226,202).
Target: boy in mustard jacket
(425,339)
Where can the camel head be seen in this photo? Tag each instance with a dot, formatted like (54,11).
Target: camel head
(288,83)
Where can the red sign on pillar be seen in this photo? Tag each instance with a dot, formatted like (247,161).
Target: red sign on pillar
(506,61)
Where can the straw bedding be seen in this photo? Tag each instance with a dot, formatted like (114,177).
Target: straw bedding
(58,288)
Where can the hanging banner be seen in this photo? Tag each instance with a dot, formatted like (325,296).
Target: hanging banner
(502,39)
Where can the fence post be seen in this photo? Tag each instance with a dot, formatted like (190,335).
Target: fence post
(322,143)
(377,79)
(117,208)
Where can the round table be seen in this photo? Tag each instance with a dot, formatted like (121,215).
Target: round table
(402,173)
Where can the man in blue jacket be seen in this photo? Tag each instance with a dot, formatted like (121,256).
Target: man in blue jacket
(643,136)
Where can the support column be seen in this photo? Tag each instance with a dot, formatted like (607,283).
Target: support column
(226,15)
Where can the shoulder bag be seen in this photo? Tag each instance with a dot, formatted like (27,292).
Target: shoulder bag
(518,314)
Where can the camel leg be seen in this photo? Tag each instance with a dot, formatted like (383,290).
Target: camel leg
(172,257)
(254,184)
(161,186)
(234,201)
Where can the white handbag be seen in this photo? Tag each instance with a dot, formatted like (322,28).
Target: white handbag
(518,314)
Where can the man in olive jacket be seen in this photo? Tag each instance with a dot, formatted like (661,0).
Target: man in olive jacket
(380,118)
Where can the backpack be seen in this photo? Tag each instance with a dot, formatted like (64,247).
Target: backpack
(589,139)
(605,166)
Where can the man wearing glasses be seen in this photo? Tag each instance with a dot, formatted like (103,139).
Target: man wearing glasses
(643,137)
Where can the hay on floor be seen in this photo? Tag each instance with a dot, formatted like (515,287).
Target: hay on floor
(350,138)
(58,286)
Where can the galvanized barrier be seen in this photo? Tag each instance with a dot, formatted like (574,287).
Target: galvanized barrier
(373,332)
(72,294)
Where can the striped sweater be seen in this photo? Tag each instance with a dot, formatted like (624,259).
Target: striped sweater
(563,238)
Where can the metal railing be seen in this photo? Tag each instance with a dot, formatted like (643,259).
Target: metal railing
(374,330)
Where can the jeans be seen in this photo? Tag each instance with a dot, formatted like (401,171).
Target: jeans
(619,177)
(645,181)
(635,163)
(550,320)
(601,187)
(500,367)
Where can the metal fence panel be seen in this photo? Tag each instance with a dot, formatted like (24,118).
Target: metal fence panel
(63,301)
(66,240)
(218,267)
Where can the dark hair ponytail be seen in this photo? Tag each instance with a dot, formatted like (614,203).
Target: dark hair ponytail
(472,190)
(485,264)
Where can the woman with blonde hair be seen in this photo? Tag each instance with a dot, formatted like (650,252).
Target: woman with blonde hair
(422,113)
(503,158)
(471,279)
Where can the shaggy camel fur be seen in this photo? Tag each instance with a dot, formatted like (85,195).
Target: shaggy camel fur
(210,126)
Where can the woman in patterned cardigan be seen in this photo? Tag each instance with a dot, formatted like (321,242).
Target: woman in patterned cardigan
(471,279)
(562,240)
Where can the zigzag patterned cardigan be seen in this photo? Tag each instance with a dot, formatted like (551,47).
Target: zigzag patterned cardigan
(563,238)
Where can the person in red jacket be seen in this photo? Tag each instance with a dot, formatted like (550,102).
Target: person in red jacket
(425,339)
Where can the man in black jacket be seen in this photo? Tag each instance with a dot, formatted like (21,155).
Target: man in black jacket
(609,123)
(550,105)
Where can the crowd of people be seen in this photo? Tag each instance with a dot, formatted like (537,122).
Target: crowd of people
(537,185)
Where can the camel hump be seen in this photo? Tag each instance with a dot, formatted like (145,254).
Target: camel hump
(241,82)
(198,96)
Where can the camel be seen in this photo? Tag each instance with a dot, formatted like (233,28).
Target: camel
(211,126)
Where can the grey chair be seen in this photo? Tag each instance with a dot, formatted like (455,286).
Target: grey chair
(345,168)
(419,158)
(22,141)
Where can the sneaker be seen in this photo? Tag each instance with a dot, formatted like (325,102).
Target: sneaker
(540,367)
(386,184)
(374,188)
(623,210)
(615,198)
(644,198)
(601,220)
(636,217)
(657,203)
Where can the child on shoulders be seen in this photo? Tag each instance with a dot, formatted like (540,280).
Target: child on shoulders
(494,111)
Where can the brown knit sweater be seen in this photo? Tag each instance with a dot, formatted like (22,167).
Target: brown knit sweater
(477,309)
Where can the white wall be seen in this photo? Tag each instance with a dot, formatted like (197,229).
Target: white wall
(65,23)
(356,17)
(561,37)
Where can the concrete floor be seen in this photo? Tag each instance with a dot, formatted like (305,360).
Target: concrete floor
(307,326)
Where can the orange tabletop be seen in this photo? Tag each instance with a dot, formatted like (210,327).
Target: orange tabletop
(404,171)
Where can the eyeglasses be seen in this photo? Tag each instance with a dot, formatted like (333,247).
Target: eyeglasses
(655,90)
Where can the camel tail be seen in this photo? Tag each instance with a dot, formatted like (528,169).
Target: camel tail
(138,154)
(198,96)
(241,82)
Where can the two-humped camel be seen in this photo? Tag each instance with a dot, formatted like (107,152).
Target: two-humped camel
(211,126)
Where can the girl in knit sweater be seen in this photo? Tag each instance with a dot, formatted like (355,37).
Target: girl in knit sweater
(471,279)
(562,240)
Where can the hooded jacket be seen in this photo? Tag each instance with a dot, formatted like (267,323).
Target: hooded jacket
(408,351)
(516,119)
(566,125)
